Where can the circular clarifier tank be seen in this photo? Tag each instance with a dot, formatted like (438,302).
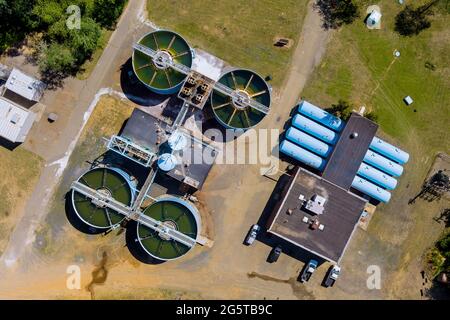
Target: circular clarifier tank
(155,73)
(174,213)
(111,182)
(232,112)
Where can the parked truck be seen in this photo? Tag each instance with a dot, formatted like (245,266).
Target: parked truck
(332,276)
(309,270)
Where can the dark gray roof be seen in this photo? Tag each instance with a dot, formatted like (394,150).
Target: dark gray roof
(150,132)
(143,129)
(349,152)
(340,217)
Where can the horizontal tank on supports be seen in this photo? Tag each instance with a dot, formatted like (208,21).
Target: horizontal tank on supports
(382,163)
(308,142)
(317,114)
(370,189)
(315,129)
(111,182)
(176,214)
(388,150)
(154,72)
(374,175)
(302,155)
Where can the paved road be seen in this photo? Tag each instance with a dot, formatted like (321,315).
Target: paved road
(75,99)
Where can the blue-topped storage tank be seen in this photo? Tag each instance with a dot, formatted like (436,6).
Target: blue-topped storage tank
(374,175)
(370,189)
(315,129)
(388,150)
(320,115)
(302,155)
(308,142)
(382,163)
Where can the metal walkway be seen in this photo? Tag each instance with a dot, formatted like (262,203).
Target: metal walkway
(144,190)
(103,201)
(220,87)
(131,151)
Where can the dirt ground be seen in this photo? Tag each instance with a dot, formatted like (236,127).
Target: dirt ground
(234,196)
(204,271)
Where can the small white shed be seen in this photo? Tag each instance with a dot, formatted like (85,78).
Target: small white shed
(374,18)
(15,121)
(25,85)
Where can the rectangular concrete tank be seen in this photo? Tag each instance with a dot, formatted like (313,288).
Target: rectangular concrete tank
(388,150)
(302,155)
(317,114)
(306,141)
(376,176)
(315,129)
(370,189)
(382,163)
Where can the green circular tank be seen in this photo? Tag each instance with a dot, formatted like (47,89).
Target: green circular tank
(231,113)
(112,182)
(174,213)
(154,73)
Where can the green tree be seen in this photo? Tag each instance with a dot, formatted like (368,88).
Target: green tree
(335,13)
(85,40)
(106,12)
(56,59)
(411,21)
(15,17)
(82,41)
(47,13)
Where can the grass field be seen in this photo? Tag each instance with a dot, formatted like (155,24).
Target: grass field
(239,32)
(20,170)
(360,67)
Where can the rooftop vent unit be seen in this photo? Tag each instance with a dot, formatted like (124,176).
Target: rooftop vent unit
(191,81)
(316,204)
(15,118)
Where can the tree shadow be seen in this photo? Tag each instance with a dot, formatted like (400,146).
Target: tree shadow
(55,79)
(335,13)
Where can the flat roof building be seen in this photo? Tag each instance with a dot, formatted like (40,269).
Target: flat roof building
(193,162)
(15,121)
(320,211)
(349,151)
(293,222)
(25,85)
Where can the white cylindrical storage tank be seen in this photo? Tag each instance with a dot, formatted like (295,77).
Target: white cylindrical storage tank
(321,116)
(308,142)
(382,163)
(388,150)
(370,189)
(315,129)
(167,162)
(302,155)
(374,175)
